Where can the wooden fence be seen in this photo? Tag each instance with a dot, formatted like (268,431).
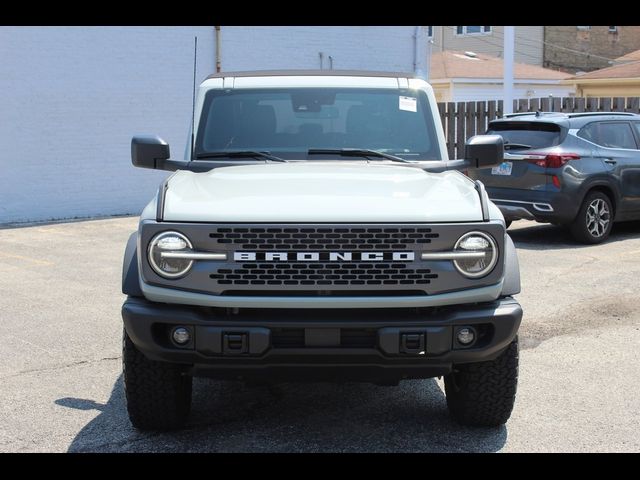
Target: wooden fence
(461,120)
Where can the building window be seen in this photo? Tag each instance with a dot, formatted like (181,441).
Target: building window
(430,31)
(473,30)
(613,29)
(584,28)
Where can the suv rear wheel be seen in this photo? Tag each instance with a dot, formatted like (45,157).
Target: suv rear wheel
(482,394)
(158,393)
(594,220)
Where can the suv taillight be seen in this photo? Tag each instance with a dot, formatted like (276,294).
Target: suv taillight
(552,160)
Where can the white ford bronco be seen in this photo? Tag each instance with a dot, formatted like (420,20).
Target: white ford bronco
(318,231)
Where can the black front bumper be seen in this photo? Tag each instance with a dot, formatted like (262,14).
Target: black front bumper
(372,345)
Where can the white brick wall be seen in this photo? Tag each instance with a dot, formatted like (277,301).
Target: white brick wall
(70,100)
(355,48)
(72,97)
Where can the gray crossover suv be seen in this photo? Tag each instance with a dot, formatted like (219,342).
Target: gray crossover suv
(578,169)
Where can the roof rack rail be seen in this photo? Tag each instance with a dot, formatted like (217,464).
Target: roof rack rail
(569,114)
(589,114)
(537,113)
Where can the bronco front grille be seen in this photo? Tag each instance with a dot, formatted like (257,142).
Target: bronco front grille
(324,274)
(318,238)
(322,259)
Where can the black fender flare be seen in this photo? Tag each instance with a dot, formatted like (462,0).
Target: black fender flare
(130,275)
(511,284)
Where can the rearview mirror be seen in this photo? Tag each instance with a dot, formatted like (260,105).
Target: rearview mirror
(482,151)
(149,151)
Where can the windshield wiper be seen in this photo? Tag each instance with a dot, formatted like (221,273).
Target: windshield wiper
(356,152)
(511,146)
(241,154)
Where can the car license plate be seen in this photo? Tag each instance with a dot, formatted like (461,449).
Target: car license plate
(503,169)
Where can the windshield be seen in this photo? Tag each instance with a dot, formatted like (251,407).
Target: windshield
(289,122)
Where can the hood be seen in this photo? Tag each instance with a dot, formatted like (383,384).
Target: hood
(315,192)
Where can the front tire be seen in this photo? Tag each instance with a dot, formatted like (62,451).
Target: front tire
(158,394)
(483,394)
(594,220)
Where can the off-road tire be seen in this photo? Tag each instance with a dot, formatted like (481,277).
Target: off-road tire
(580,226)
(158,394)
(482,394)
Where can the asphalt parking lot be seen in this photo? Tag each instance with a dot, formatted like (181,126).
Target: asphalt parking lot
(60,340)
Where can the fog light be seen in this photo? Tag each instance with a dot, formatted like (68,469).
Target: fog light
(181,335)
(466,336)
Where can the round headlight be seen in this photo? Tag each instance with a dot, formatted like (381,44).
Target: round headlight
(485,256)
(169,242)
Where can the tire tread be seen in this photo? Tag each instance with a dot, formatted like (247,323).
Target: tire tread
(158,394)
(483,393)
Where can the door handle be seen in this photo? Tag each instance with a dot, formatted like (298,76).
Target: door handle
(610,161)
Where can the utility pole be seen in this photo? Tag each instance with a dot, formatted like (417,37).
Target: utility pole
(420,53)
(428,64)
(507,82)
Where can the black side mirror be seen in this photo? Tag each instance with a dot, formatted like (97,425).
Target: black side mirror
(482,151)
(148,151)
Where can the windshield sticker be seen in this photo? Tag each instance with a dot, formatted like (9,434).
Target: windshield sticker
(409,104)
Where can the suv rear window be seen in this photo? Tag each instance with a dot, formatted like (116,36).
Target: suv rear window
(531,134)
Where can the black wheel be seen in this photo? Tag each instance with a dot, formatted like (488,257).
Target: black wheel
(158,393)
(507,223)
(594,220)
(482,394)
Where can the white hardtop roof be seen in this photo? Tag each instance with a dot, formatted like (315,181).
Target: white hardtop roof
(312,78)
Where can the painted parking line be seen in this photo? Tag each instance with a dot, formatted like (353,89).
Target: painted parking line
(635,253)
(35,261)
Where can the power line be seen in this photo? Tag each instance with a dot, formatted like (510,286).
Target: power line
(573,50)
(501,45)
(486,40)
(526,39)
(559,47)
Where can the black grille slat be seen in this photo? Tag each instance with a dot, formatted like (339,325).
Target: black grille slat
(342,238)
(322,273)
(326,273)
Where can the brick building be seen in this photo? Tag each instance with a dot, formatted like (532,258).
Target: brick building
(619,80)
(587,48)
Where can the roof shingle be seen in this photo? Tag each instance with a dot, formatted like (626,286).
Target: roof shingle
(629,69)
(452,64)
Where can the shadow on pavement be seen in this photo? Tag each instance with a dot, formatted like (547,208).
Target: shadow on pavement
(541,236)
(314,417)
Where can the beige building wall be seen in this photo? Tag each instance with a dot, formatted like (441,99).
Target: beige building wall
(528,46)
(442,91)
(609,88)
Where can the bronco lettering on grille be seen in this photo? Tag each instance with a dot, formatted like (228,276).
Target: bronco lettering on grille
(323,256)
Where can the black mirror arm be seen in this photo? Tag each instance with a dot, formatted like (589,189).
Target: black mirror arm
(171,165)
(459,165)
